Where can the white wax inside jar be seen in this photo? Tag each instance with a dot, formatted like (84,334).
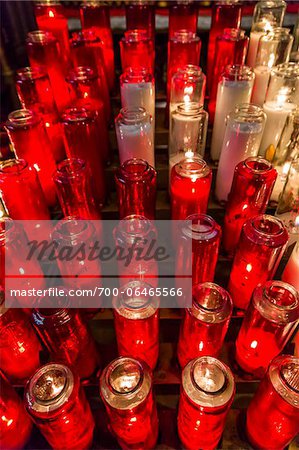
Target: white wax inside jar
(135,95)
(291,272)
(135,141)
(253,46)
(229,94)
(186,133)
(277,114)
(282,172)
(262,76)
(291,222)
(241,140)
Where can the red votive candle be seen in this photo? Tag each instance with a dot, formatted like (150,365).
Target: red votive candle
(141,15)
(30,141)
(207,393)
(205,324)
(252,185)
(15,424)
(136,183)
(44,51)
(268,324)
(20,347)
(58,406)
(96,16)
(81,131)
(259,251)
(225,14)
(35,93)
(74,190)
(136,321)
(190,184)
(182,16)
(126,390)
(137,50)
(273,414)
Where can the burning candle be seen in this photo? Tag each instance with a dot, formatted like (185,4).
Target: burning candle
(182,15)
(126,390)
(190,185)
(141,15)
(204,325)
(242,138)
(251,189)
(291,272)
(259,251)
(188,85)
(56,403)
(137,50)
(136,321)
(275,402)
(207,393)
(268,325)
(134,135)
(234,88)
(136,184)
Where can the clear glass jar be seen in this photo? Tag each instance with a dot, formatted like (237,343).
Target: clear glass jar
(268,12)
(291,272)
(137,50)
(242,139)
(134,132)
(269,323)
(208,389)
(141,15)
(183,15)
(204,325)
(126,391)
(188,85)
(57,405)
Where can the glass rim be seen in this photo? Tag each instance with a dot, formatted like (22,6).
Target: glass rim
(81,74)
(225,304)
(137,72)
(211,361)
(258,160)
(189,109)
(267,217)
(287,287)
(184,168)
(184,36)
(19,164)
(21,118)
(29,73)
(76,166)
(78,114)
(135,162)
(131,116)
(41,37)
(114,365)
(235,34)
(136,35)
(235,71)
(289,70)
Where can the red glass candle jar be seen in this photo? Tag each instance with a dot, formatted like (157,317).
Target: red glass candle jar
(205,324)
(81,131)
(20,347)
(190,184)
(260,248)
(6,150)
(137,50)
(252,185)
(44,51)
(15,424)
(183,48)
(96,16)
(141,15)
(136,321)
(35,93)
(67,338)
(58,406)
(136,183)
(268,324)
(273,414)
(29,139)
(73,184)
(207,393)
(230,49)
(182,16)
(126,390)
(225,14)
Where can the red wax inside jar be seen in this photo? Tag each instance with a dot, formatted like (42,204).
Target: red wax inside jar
(141,16)
(190,185)
(182,16)
(137,50)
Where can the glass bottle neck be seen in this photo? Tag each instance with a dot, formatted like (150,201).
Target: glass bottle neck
(134,170)
(132,304)
(133,116)
(284,376)
(13,168)
(193,168)
(210,303)
(22,119)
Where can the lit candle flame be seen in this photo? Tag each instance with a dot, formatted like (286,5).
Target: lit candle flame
(188,91)
(51,14)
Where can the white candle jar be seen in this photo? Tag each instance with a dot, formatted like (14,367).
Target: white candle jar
(234,88)
(135,135)
(188,85)
(243,134)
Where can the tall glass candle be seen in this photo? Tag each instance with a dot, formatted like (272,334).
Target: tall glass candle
(204,325)
(30,141)
(251,188)
(182,16)
(35,93)
(81,132)
(230,49)
(267,326)
(190,185)
(15,424)
(225,14)
(137,50)
(74,190)
(275,403)
(291,272)
(136,322)
(44,50)
(20,347)
(234,88)
(207,392)
(57,404)
(141,15)
(126,391)
(135,135)
(259,251)
(136,184)
(242,138)
(188,85)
